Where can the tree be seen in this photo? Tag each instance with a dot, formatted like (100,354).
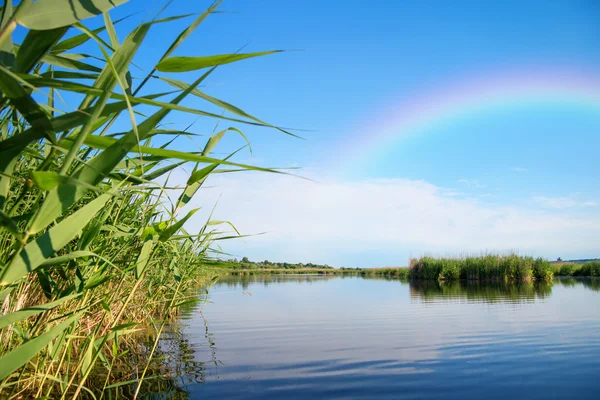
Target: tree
(245,260)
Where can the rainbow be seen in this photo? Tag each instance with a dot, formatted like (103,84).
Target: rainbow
(471,96)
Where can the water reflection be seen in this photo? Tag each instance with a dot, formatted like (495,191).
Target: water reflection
(592,284)
(170,372)
(174,367)
(300,336)
(244,281)
(473,291)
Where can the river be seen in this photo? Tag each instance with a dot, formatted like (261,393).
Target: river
(335,337)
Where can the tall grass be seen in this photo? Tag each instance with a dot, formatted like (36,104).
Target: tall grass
(91,247)
(489,267)
(591,268)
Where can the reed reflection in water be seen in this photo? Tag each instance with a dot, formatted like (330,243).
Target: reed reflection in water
(320,336)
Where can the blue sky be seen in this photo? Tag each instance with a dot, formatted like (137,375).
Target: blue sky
(519,177)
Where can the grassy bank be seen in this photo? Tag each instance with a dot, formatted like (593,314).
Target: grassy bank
(398,272)
(591,268)
(92,248)
(485,268)
(245,264)
(509,268)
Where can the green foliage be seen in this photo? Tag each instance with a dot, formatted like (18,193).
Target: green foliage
(485,268)
(517,268)
(43,15)
(246,264)
(91,247)
(566,270)
(542,270)
(451,270)
(584,269)
(426,268)
(588,269)
(400,273)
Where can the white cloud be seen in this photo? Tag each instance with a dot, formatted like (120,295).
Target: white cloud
(380,221)
(519,169)
(563,202)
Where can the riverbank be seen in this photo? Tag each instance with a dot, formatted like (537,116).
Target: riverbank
(398,272)
(485,268)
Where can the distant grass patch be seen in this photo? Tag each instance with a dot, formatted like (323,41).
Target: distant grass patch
(392,272)
(591,268)
(397,272)
(484,268)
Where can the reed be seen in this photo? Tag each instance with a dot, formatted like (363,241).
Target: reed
(486,268)
(92,248)
(587,269)
(591,268)
(391,272)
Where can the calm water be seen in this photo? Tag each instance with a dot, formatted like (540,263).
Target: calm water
(349,337)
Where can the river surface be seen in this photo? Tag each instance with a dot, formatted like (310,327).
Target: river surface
(332,337)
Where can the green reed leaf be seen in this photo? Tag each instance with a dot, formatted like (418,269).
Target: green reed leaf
(7,165)
(25,313)
(73,255)
(171,230)
(69,63)
(184,64)
(10,85)
(18,357)
(187,31)
(42,15)
(222,104)
(78,40)
(103,142)
(9,224)
(161,171)
(35,45)
(143,258)
(44,247)
(48,180)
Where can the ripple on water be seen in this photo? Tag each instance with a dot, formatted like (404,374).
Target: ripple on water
(353,338)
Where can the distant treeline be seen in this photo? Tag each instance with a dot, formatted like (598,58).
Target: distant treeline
(486,268)
(581,261)
(397,273)
(246,264)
